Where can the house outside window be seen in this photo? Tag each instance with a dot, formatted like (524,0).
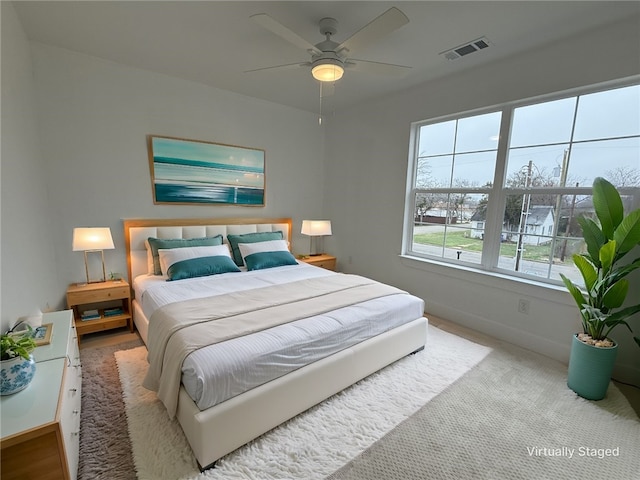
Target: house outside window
(499,190)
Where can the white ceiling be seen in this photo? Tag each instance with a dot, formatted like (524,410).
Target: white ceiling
(214,43)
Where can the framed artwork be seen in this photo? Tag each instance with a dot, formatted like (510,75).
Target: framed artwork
(41,335)
(195,172)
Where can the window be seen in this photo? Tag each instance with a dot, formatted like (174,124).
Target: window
(501,190)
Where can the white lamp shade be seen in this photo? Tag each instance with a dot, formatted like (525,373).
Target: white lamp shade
(316,228)
(98,238)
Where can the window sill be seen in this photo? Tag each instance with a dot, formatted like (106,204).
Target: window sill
(521,286)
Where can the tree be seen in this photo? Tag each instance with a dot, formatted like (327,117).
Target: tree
(624,176)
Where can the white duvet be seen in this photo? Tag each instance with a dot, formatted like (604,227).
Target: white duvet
(216,373)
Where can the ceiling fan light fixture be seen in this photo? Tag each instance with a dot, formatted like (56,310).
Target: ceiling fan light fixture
(327,70)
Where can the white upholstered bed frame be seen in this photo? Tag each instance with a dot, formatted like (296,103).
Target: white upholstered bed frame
(219,430)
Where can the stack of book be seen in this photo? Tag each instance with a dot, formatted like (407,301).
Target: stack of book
(89,315)
(110,312)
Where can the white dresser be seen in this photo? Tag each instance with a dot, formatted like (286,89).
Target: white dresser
(41,424)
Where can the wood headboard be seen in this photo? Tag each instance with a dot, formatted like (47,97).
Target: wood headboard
(137,231)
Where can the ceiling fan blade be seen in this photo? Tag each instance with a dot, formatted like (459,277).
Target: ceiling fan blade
(384,24)
(377,67)
(289,35)
(288,66)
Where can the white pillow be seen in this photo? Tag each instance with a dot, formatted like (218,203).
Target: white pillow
(169,256)
(247,249)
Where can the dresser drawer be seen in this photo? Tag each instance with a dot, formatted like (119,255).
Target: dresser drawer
(70,405)
(73,351)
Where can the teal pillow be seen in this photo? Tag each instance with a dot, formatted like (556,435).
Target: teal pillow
(262,260)
(234,240)
(157,243)
(201,267)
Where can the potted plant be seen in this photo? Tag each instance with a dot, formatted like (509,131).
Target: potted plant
(593,353)
(17,366)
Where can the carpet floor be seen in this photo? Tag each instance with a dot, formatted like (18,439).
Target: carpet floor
(105,448)
(511,418)
(311,445)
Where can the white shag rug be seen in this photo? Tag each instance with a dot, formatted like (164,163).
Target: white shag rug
(310,446)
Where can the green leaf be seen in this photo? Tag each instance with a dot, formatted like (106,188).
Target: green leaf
(624,270)
(608,206)
(627,235)
(615,294)
(589,273)
(593,237)
(620,315)
(574,291)
(607,255)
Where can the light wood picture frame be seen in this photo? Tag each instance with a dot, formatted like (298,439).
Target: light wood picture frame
(41,335)
(196,172)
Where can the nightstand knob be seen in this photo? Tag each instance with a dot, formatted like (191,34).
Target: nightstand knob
(74,390)
(76,412)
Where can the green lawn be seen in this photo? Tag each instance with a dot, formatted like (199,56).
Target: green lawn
(460,240)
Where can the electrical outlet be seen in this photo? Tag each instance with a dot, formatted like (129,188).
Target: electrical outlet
(523,306)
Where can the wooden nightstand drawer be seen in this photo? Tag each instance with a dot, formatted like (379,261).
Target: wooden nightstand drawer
(322,261)
(93,296)
(328,264)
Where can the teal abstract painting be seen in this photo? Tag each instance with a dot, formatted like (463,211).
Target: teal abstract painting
(196,172)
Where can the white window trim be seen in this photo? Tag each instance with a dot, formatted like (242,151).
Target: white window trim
(495,208)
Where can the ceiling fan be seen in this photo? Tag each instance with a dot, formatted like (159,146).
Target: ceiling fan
(329,59)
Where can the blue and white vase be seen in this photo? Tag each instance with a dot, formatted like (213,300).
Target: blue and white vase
(15,374)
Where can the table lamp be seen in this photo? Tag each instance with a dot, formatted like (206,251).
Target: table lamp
(316,229)
(93,240)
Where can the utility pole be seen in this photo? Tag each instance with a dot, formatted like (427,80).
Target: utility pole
(558,207)
(567,230)
(524,214)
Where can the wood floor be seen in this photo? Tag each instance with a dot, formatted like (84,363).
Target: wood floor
(122,335)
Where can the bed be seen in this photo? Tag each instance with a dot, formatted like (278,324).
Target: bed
(319,332)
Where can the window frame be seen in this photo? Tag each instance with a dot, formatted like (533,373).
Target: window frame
(498,192)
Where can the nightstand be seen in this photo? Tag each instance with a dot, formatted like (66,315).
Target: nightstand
(103,297)
(323,260)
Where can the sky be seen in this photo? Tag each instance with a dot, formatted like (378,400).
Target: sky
(541,133)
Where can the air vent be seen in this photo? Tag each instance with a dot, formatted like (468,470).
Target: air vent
(466,49)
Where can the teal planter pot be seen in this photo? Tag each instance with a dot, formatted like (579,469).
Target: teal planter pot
(590,369)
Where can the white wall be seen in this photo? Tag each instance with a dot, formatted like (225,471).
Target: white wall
(27,260)
(366,162)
